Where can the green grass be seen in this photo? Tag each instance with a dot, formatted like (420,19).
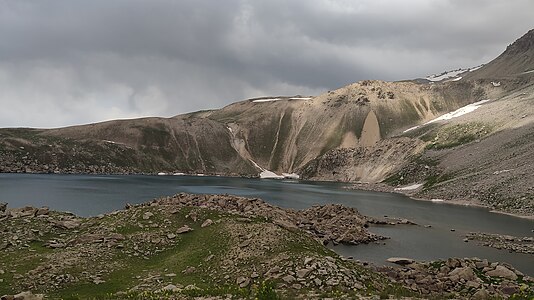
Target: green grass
(456,135)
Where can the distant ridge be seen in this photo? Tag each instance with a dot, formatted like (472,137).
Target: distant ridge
(517,60)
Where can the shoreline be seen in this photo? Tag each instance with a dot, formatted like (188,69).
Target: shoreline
(380,187)
(374,187)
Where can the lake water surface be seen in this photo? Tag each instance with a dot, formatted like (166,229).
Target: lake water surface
(89,195)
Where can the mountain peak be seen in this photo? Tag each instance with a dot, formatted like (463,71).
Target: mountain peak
(516,60)
(522,44)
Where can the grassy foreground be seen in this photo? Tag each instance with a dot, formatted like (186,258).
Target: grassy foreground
(140,253)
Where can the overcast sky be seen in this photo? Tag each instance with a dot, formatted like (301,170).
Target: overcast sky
(65,62)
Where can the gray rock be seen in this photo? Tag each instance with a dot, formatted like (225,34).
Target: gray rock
(303,273)
(206,223)
(147,215)
(465,273)
(481,294)
(68,224)
(184,229)
(502,271)
(3,206)
(289,278)
(171,287)
(23,296)
(42,211)
(171,236)
(243,282)
(400,260)
(332,282)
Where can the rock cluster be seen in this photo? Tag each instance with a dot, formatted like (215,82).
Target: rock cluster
(463,278)
(506,242)
(23,296)
(327,223)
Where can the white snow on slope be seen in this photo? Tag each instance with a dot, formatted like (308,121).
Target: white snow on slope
(300,98)
(459,112)
(266,173)
(457,78)
(451,74)
(278,99)
(445,75)
(410,187)
(291,175)
(527,72)
(270,174)
(266,100)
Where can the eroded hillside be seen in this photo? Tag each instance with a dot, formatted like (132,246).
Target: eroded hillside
(369,131)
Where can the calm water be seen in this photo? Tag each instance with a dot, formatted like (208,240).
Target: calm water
(89,195)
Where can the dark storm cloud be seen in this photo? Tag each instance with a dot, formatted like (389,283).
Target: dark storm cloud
(73,61)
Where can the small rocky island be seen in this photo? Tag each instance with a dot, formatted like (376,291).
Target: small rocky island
(223,247)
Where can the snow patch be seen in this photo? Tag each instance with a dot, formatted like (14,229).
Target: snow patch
(162,174)
(475,68)
(291,175)
(410,187)
(502,171)
(110,142)
(445,75)
(278,99)
(437,200)
(266,100)
(270,175)
(459,112)
(496,84)
(266,173)
(451,74)
(527,72)
(179,174)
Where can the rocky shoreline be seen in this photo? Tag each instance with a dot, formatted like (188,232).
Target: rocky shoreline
(504,242)
(471,278)
(242,243)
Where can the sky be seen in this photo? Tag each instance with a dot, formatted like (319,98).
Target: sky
(67,62)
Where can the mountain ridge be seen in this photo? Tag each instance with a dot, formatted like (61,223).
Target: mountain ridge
(358,132)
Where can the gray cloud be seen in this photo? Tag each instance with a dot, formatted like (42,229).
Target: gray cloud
(67,62)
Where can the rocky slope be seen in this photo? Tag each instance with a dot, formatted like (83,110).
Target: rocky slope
(355,133)
(221,247)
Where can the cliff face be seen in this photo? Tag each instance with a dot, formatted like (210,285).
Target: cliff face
(282,134)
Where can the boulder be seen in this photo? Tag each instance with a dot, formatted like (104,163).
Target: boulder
(171,287)
(184,229)
(68,224)
(3,207)
(23,296)
(502,271)
(400,260)
(289,278)
(206,223)
(147,215)
(481,294)
(303,273)
(42,211)
(465,273)
(26,211)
